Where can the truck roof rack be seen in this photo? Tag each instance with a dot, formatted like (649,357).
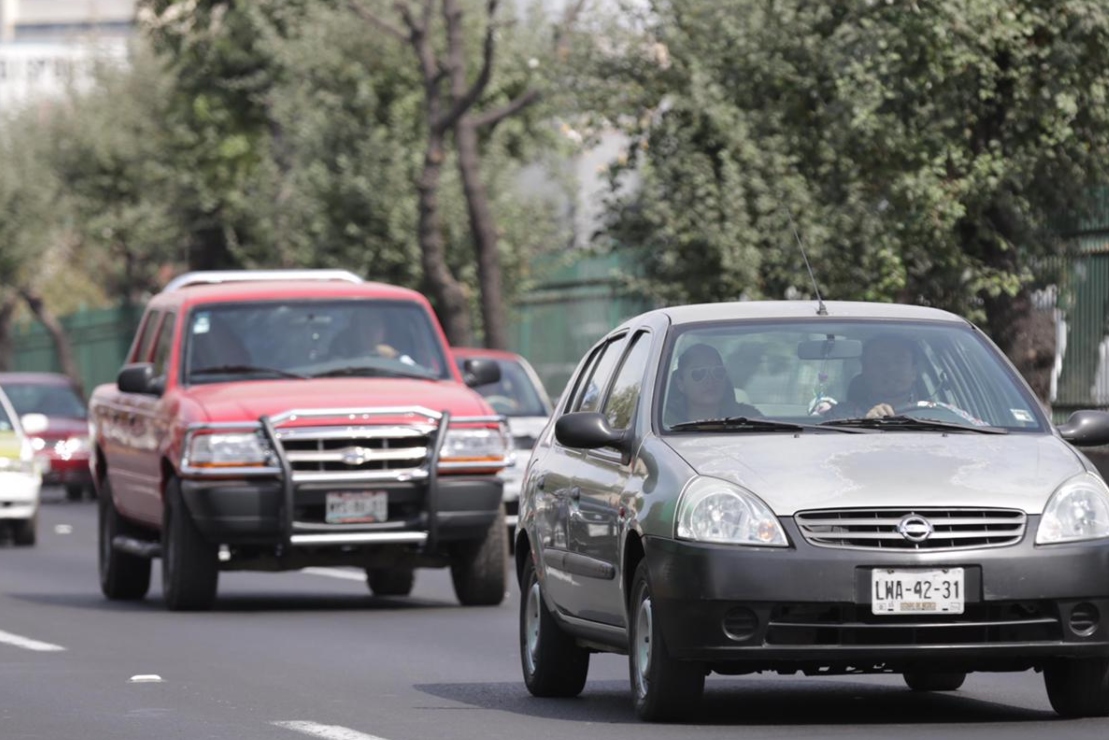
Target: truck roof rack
(213,277)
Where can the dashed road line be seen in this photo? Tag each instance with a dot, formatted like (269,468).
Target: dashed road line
(346,575)
(328,732)
(27,643)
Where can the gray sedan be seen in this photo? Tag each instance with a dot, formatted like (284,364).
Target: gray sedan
(807,488)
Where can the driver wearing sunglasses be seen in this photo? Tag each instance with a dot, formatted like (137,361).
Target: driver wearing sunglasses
(701,389)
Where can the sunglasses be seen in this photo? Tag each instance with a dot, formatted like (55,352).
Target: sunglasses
(698,374)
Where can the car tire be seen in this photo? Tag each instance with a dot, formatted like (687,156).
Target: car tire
(478,568)
(390,581)
(665,690)
(25,532)
(1078,687)
(74,492)
(553,664)
(190,563)
(934,680)
(123,577)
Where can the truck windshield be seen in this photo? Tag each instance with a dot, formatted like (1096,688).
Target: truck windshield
(277,339)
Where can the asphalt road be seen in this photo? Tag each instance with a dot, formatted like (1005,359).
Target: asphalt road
(312,654)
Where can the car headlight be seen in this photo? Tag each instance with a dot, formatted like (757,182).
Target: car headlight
(229,450)
(482,447)
(712,510)
(1078,510)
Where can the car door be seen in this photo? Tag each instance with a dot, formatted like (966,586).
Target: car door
(603,481)
(148,430)
(556,493)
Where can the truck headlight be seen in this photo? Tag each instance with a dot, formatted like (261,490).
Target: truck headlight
(713,510)
(228,450)
(480,448)
(1078,510)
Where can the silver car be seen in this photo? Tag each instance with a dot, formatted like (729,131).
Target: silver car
(811,488)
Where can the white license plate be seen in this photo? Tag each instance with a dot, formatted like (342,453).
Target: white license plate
(351,507)
(895,591)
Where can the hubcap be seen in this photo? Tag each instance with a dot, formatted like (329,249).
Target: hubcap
(531,626)
(641,651)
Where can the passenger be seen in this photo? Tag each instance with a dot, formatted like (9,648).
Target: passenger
(700,389)
(364,336)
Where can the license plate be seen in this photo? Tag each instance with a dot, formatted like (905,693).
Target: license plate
(350,507)
(917,591)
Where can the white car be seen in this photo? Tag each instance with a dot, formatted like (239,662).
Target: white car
(20,478)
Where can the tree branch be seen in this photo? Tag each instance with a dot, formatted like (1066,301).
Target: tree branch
(465,101)
(373,19)
(495,116)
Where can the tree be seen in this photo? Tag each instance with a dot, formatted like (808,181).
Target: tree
(922,148)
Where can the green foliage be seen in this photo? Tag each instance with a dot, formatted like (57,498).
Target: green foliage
(28,189)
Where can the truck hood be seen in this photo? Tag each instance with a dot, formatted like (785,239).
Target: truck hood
(793,473)
(249,401)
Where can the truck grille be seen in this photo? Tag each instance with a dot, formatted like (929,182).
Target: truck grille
(912,529)
(325,452)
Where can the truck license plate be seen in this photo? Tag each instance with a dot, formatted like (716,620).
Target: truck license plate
(351,507)
(917,591)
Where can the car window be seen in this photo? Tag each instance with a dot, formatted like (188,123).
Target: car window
(5,420)
(805,370)
(587,395)
(45,398)
(622,399)
(164,344)
(145,338)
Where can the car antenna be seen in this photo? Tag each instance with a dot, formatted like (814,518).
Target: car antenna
(820,310)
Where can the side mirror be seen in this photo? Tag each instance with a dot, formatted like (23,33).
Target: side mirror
(138,378)
(480,372)
(587,430)
(34,423)
(1086,428)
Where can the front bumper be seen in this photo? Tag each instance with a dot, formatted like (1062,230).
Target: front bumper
(19,495)
(244,512)
(809,607)
(66,470)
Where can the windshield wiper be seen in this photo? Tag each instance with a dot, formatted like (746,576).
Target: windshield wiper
(910,424)
(243,370)
(747,424)
(373,372)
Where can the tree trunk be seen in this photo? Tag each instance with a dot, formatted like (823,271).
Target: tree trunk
(7,345)
(484,232)
(57,333)
(449,296)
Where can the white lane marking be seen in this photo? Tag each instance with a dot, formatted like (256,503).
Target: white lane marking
(328,732)
(63,529)
(28,643)
(346,575)
(146,678)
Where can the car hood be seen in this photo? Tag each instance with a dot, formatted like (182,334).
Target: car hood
(11,446)
(61,427)
(793,473)
(242,401)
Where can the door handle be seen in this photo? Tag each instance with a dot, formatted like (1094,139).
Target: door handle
(541,481)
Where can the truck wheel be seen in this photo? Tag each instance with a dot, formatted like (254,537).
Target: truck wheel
(123,577)
(554,665)
(1078,687)
(74,491)
(478,568)
(190,563)
(664,689)
(934,680)
(25,532)
(390,581)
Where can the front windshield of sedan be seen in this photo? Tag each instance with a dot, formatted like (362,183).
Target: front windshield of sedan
(270,340)
(46,398)
(841,372)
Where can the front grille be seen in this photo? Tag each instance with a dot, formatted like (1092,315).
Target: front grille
(356,449)
(854,624)
(878,529)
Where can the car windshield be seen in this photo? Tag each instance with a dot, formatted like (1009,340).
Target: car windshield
(46,399)
(890,374)
(304,339)
(515,393)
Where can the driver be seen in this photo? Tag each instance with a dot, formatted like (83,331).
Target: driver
(889,377)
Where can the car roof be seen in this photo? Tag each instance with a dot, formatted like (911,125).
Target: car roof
(485,352)
(739,310)
(35,378)
(270,290)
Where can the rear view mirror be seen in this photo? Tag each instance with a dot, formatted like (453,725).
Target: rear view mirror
(480,372)
(829,349)
(34,423)
(1086,428)
(138,378)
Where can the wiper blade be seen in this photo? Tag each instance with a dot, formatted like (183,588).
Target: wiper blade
(909,423)
(372,372)
(243,370)
(747,424)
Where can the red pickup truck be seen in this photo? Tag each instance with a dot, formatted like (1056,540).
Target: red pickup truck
(276,420)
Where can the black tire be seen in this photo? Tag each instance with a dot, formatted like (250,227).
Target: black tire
(74,492)
(934,681)
(190,563)
(478,568)
(123,577)
(553,664)
(664,689)
(25,532)
(390,581)
(1079,687)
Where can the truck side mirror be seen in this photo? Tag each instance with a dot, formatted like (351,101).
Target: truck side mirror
(480,372)
(138,377)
